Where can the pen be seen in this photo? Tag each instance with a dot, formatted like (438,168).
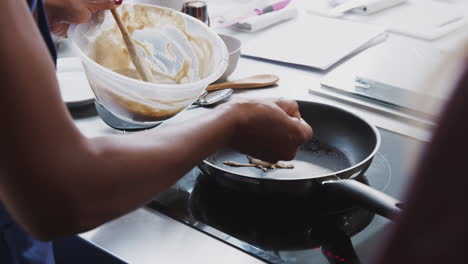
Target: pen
(364,6)
(256,12)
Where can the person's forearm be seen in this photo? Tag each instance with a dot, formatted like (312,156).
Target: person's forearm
(54,181)
(127,171)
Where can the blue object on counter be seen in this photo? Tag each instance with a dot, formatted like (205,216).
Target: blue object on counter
(18,247)
(38,7)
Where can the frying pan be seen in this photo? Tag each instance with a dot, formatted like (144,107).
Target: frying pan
(341,150)
(275,223)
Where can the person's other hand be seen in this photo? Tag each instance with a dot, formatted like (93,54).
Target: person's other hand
(62,13)
(269,129)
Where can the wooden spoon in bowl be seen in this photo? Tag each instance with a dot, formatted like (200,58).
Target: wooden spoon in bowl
(256,81)
(137,59)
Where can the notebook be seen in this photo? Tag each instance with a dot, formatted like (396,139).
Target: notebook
(312,41)
(393,74)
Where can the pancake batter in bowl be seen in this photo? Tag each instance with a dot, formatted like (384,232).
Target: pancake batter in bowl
(109,49)
(174,55)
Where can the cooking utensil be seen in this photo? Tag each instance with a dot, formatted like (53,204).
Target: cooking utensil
(255,81)
(137,59)
(342,149)
(216,93)
(207,99)
(276,223)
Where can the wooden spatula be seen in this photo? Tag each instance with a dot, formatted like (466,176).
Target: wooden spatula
(256,81)
(137,58)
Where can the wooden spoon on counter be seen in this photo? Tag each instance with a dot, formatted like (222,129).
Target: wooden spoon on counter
(137,59)
(256,81)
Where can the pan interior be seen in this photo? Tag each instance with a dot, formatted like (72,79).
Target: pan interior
(341,142)
(314,159)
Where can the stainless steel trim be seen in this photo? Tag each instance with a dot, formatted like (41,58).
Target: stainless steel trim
(147,237)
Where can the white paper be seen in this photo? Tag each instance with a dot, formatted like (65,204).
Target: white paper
(73,83)
(427,20)
(257,23)
(400,62)
(395,63)
(311,41)
(424,19)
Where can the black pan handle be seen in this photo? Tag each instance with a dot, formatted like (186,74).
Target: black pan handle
(367,197)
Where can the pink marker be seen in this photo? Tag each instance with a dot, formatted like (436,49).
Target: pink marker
(258,11)
(274,7)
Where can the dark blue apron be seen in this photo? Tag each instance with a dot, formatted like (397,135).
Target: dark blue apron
(16,246)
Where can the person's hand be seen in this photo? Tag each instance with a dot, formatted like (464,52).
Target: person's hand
(62,13)
(269,129)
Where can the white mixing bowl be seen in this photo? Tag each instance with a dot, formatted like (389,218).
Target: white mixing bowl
(138,101)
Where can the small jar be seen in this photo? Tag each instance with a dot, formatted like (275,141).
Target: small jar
(197,9)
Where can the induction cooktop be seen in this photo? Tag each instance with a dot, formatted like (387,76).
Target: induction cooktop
(290,230)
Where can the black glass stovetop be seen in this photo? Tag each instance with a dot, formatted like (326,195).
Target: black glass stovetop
(290,229)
